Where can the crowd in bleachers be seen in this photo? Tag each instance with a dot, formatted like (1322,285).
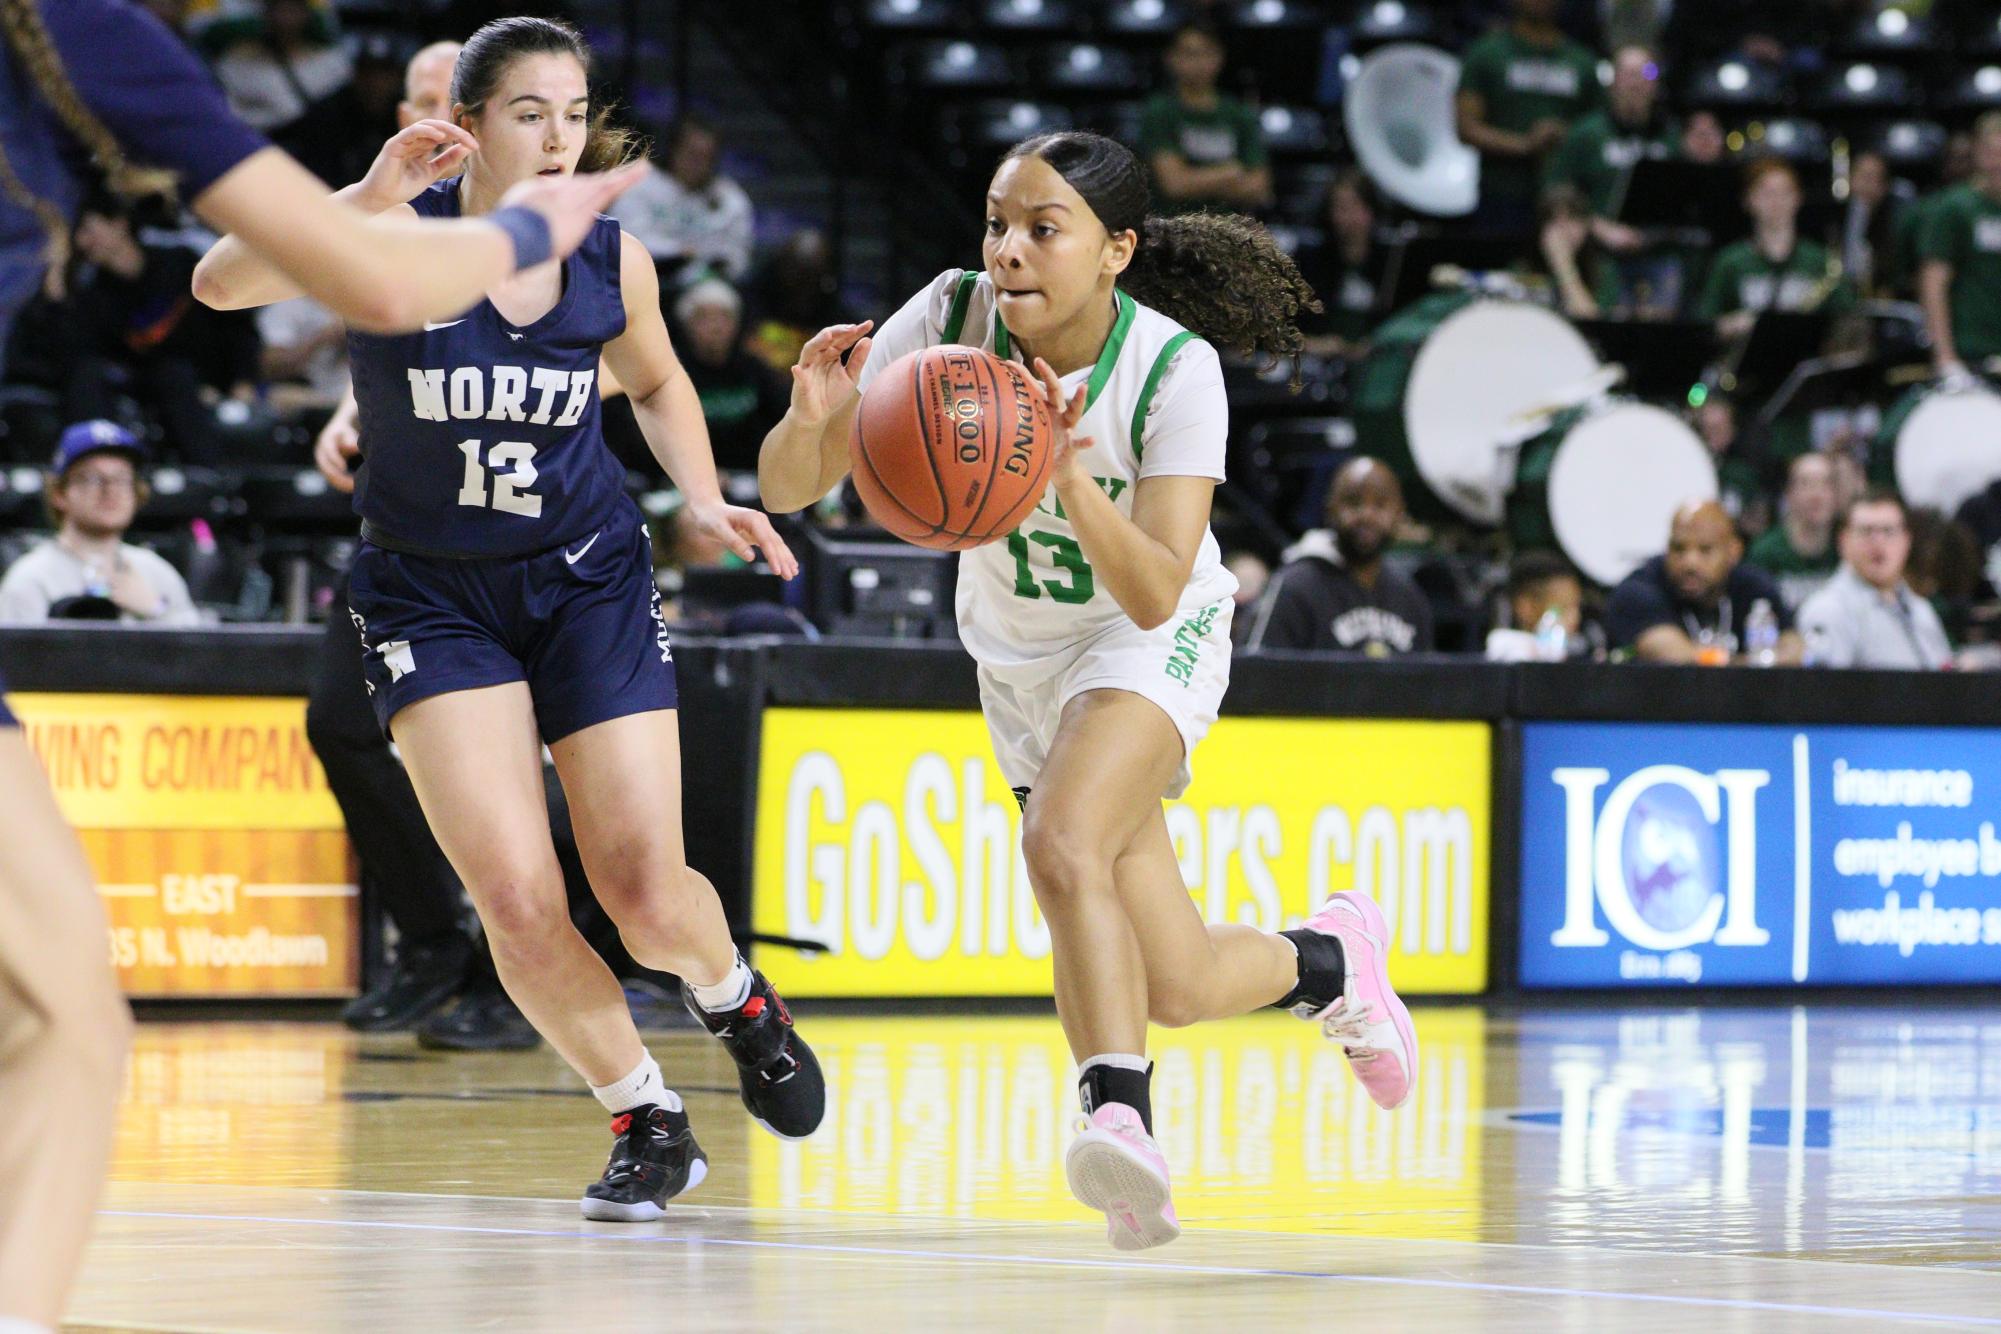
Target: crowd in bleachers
(1858,142)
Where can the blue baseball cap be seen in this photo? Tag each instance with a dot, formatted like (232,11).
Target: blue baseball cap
(95,437)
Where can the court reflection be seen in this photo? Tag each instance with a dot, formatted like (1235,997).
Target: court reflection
(1857,1133)
(1260,1119)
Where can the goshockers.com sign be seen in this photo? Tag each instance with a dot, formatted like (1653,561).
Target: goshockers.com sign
(890,838)
(1659,854)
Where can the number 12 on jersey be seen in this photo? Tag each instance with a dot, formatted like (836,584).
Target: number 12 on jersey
(517,459)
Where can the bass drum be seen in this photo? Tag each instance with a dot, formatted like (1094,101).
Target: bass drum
(1447,380)
(1941,446)
(1602,485)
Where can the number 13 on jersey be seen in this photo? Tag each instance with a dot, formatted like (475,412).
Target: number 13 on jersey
(512,463)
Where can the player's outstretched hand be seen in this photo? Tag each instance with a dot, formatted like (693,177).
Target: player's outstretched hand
(416,158)
(822,382)
(572,203)
(1064,466)
(746,532)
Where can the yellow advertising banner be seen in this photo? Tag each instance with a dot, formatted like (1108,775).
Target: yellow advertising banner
(220,852)
(890,837)
(1263,1126)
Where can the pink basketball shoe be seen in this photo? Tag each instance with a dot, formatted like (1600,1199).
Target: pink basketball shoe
(1371,1024)
(1115,1167)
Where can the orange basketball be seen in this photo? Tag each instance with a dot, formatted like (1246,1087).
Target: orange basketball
(951,447)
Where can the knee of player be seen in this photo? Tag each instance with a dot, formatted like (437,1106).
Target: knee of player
(521,912)
(1173,1006)
(1063,859)
(656,918)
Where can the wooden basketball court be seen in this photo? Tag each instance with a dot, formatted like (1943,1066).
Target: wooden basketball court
(1571,1169)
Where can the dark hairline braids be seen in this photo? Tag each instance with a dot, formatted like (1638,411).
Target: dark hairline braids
(29,39)
(1219,275)
(484,59)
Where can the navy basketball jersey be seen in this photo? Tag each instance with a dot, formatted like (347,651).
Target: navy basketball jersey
(480,438)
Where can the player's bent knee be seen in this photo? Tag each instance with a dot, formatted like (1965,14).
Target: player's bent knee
(1172,1008)
(1062,862)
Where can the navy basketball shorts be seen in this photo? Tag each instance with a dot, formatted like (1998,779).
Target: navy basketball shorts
(580,624)
(6,719)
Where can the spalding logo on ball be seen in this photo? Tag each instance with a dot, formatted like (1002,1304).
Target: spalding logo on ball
(951,447)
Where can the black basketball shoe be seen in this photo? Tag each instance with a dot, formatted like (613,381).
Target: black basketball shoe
(654,1159)
(781,1081)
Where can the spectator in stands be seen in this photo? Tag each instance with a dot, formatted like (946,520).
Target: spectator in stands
(1694,604)
(1799,549)
(87,570)
(1542,613)
(285,80)
(1775,269)
(797,296)
(1739,488)
(1205,148)
(1955,166)
(304,357)
(1596,158)
(1867,615)
(1347,271)
(1867,244)
(690,216)
(741,396)
(1334,592)
(1960,249)
(133,326)
(1702,139)
(1521,88)
(1575,260)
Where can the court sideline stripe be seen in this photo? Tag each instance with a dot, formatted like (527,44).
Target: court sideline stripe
(1118,1266)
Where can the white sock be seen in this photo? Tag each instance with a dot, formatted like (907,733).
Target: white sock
(642,1088)
(1118,1061)
(728,994)
(12,1325)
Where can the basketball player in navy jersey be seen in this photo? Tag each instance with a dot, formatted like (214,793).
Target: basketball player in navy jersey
(505,597)
(97,91)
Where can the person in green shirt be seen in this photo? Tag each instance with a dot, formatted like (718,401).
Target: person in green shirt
(1799,550)
(1955,165)
(1775,269)
(1520,90)
(1739,488)
(1204,147)
(1960,278)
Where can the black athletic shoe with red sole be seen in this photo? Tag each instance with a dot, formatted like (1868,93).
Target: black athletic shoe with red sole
(654,1159)
(780,1078)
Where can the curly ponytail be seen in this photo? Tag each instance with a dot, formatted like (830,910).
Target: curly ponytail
(1220,275)
(1223,276)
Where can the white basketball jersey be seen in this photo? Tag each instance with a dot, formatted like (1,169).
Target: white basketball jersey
(1155,407)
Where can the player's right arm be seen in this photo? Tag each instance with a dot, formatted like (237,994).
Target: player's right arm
(805,455)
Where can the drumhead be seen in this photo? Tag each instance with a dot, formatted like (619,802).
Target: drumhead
(1950,447)
(1616,481)
(1478,373)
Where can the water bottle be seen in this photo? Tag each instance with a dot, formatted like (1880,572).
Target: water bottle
(1761,635)
(1552,644)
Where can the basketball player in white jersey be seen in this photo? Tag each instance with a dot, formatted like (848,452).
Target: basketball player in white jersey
(1101,626)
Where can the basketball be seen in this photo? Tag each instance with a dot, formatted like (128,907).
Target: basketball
(951,447)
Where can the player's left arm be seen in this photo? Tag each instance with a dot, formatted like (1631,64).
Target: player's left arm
(1144,561)
(669,413)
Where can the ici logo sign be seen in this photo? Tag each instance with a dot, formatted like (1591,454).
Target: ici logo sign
(1651,860)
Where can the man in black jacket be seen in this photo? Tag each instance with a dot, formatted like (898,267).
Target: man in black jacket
(1334,593)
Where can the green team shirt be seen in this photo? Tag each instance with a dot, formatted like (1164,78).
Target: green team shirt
(1800,576)
(1520,84)
(1963,229)
(1598,152)
(1743,279)
(1226,132)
